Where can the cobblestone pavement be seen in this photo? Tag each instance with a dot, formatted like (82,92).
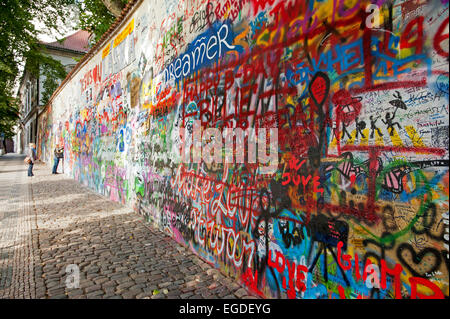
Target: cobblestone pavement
(50,222)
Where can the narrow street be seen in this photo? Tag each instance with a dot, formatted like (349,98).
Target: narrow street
(51,225)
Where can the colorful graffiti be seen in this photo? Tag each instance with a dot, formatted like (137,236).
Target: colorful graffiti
(357,91)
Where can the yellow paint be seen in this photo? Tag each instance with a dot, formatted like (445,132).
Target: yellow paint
(324,10)
(106,50)
(125,32)
(280,33)
(260,41)
(227,12)
(240,40)
(378,139)
(148,90)
(333,143)
(395,138)
(351,140)
(415,138)
(83,114)
(290,100)
(350,3)
(365,139)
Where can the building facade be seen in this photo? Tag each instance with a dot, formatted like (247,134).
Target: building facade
(31,91)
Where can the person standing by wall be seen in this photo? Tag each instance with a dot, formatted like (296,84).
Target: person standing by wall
(32,157)
(58,154)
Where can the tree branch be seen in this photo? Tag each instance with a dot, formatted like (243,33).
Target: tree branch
(114,6)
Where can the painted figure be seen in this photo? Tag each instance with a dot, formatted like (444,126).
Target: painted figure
(373,127)
(360,126)
(390,124)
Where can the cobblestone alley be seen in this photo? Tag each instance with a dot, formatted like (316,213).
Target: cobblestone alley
(49,222)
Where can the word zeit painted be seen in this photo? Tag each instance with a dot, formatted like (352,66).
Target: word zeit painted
(212,146)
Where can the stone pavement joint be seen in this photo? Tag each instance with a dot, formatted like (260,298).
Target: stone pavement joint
(49,222)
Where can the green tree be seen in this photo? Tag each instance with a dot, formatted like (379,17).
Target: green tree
(96,16)
(9,115)
(19,44)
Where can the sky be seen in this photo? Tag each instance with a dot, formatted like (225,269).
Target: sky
(65,29)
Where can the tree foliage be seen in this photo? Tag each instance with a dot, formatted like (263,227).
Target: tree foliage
(52,70)
(19,44)
(96,16)
(8,116)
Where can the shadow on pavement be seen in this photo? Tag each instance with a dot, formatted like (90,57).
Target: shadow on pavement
(117,255)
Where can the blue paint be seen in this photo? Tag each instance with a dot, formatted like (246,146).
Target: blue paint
(419,192)
(206,49)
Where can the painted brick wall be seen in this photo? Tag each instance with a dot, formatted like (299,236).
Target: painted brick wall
(356,94)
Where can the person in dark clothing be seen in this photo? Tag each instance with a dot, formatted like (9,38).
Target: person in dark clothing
(58,154)
(4,146)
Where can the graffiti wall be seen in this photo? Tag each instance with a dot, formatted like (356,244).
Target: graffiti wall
(301,147)
(44,139)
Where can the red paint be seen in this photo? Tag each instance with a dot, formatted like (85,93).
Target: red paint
(368,59)
(347,109)
(296,179)
(347,264)
(439,37)
(346,258)
(385,271)
(286,13)
(296,272)
(319,89)
(91,77)
(316,185)
(260,5)
(401,149)
(389,86)
(341,292)
(396,272)
(412,36)
(251,281)
(415,281)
